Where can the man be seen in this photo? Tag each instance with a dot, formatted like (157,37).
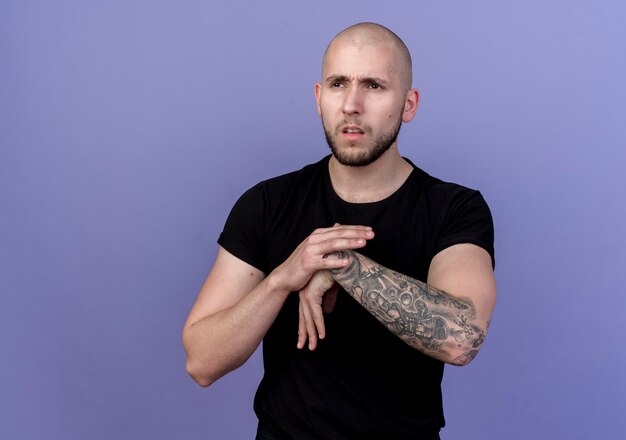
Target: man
(412,254)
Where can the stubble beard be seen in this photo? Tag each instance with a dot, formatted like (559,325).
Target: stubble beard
(379,146)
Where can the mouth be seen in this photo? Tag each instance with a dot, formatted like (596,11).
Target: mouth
(352,129)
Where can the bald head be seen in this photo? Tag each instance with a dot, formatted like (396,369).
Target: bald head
(366,34)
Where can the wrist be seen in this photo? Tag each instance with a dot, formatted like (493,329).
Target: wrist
(275,284)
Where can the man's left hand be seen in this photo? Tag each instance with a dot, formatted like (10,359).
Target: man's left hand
(316,298)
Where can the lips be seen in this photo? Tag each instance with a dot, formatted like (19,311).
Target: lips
(352,129)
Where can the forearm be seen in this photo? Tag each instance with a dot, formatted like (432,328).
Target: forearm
(222,342)
(434,322)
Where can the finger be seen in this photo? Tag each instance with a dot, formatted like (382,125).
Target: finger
(340,244)
(347,232)
(338,226)
(301,327)
(318,319)
(309,323)
(344,231)
(317,254)
(311,331)
(310,253)
(333,263)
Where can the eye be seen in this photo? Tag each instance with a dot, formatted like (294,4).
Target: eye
(374,86)
(336,84)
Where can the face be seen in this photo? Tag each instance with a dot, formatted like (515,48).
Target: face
(362,101)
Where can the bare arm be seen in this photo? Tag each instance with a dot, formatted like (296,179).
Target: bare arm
(233,311)
(447,318)
(237,303)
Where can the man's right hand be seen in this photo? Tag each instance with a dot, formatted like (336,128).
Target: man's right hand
(308,257)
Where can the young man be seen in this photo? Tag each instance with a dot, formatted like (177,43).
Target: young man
(413,256)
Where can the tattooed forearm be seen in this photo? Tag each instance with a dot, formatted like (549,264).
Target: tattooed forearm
(428,319)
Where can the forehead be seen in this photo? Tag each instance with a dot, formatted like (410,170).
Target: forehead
(361,60)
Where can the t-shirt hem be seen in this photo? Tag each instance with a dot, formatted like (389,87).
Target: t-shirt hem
(239,251)
(478,243)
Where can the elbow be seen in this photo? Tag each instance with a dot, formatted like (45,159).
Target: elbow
(462,357)
(206,366)
(205,374)
(465,353)
(195,368)
(199,376)
(205,371)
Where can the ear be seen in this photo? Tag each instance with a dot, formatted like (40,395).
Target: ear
(410,105)
(318,91)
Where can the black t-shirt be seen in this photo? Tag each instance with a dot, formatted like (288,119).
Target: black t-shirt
(362,381)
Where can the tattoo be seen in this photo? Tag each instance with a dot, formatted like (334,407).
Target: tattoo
(466,358)
(426,318)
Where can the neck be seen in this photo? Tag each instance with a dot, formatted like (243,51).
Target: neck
(370,183)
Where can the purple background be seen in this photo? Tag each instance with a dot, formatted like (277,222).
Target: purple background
(129,128)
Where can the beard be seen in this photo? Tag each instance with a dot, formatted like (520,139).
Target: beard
(379,146)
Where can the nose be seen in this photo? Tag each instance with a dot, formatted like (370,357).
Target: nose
(352,101)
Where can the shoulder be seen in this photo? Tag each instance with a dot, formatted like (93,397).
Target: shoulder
(305,173)
(263,200)
(277,188)
(459,214)
(438,193)
(438,187)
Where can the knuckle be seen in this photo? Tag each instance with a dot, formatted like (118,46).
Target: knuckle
(337,243)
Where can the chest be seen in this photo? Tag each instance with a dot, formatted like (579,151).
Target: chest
(405,228)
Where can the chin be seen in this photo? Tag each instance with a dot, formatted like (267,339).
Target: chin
(357,159)
(354,156)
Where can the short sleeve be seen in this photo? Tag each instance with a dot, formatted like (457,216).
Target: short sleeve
(243,234)
(468,220)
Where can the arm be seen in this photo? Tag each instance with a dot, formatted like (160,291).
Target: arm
(237,303)
(233,295)
(447,318)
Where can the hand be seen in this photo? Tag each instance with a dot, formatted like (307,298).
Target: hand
(320,294)
(308,257)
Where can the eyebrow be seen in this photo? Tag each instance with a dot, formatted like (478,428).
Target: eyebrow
(365,80)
